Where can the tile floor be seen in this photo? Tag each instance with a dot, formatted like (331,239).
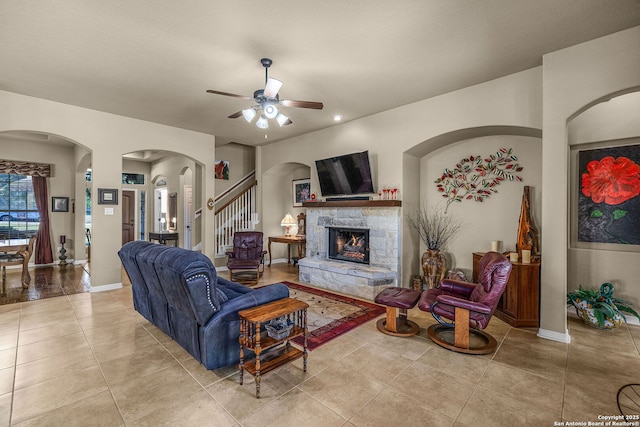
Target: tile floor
(88,359)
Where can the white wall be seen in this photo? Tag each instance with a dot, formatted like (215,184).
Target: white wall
(497,217)
(108,137)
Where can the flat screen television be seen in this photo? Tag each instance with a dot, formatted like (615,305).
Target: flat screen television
(345,175)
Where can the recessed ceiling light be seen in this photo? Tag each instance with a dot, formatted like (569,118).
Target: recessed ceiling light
(337,117)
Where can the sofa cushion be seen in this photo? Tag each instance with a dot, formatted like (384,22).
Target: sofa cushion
(189,281)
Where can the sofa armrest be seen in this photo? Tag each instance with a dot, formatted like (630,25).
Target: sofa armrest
(457,287)
(229,310)
(230,254)
(463,303)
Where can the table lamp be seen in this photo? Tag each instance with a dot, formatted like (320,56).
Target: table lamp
(287,222)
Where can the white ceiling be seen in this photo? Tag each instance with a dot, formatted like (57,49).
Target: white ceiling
(154,59)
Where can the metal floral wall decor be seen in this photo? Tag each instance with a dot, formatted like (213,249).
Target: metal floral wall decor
(608,202)
(476,177)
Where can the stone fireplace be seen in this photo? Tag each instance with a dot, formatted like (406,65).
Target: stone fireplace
(376,222)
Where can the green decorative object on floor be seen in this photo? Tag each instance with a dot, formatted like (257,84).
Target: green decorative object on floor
(599,308)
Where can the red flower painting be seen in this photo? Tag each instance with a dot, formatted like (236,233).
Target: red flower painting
(612,181)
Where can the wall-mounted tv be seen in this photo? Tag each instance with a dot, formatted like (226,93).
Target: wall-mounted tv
(345,175)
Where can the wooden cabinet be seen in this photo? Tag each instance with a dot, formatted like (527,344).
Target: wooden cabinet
(520,302)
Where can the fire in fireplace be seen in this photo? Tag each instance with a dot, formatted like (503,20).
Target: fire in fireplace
(349,244)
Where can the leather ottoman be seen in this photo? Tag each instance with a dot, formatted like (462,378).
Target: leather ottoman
(398,301)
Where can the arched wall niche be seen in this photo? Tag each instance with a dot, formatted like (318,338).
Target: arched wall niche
(608,122)
(69,160)
(496,218)
(277,181)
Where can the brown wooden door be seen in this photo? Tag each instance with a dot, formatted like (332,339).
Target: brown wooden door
(128,216)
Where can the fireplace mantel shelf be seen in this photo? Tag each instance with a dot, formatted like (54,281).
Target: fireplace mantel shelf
(353,204)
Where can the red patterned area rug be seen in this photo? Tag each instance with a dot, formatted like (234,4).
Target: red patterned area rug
(331,315)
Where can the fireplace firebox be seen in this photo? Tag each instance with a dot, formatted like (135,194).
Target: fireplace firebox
(349,244)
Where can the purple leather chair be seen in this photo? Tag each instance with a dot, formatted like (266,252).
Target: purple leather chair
(469,305)
(246,261)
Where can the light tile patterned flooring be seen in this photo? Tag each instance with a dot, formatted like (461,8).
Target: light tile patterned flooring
(89,359)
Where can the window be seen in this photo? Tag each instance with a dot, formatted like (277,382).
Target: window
(19,217)
(132,178)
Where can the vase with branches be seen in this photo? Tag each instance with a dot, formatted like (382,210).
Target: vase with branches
(436,229)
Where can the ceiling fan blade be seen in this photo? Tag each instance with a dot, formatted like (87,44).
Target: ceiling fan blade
(236,115)
(272,87)
(217,92)
(302,104)
(288,122)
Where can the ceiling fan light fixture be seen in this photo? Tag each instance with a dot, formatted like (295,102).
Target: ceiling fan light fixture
(272,87)
(248,114)
(262,122)
(270,111)
(281,119)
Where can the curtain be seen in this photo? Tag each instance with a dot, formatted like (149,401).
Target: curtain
(25,168)
(44,254)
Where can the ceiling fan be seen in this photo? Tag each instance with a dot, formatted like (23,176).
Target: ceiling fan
(267,100)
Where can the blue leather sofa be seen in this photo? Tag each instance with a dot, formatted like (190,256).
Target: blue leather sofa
(180,292)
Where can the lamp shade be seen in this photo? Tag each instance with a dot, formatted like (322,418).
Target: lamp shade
(281,119)
(262,122)
(288,220)
(249,114)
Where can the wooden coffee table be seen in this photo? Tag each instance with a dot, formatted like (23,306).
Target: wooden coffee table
(271,353)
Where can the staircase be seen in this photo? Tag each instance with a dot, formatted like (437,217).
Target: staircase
(237,212)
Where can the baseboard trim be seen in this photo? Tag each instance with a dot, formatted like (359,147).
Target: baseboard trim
(555,336)
(103,288)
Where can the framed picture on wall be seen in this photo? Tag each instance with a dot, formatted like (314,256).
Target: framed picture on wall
(301,191)
(609,195)
(107,196)
(59,204)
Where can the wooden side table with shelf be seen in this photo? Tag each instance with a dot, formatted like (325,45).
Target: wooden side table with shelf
(520,302)
(271,353)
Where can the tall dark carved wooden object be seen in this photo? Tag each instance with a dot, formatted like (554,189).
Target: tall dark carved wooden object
(527,232)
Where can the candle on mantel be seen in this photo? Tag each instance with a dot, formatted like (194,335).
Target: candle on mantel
(513,256)
(495,245)
(526,256)
(63,239)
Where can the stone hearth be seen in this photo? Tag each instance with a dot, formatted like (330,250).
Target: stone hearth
(360,280)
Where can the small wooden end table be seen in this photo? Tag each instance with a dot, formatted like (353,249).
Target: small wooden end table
(271,353)
(289,240)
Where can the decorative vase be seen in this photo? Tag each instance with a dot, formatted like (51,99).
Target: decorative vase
(527,232)
(433,267)
(585,312)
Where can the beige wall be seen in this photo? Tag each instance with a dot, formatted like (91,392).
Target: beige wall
(608,124)
(497,217)
(242,161)
(61,183)
(398,138)
(277,183)
(108,137)
(574,79)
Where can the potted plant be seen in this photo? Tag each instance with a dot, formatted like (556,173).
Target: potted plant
(599,308)
(435,229)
